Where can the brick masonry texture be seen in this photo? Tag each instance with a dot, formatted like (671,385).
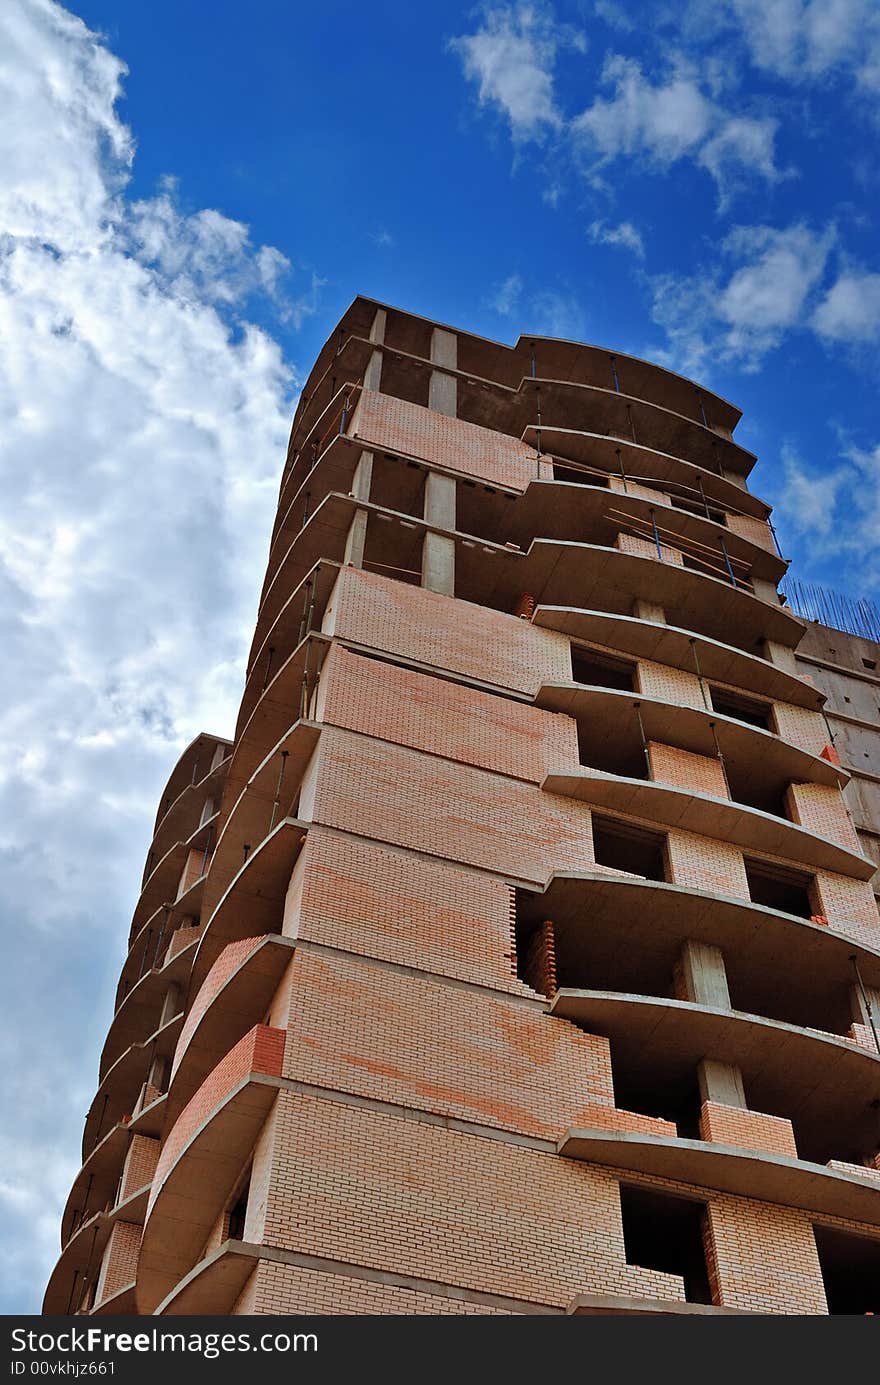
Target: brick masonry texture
(181,938)
(445,718)
(398,426)
(669,765)
(669,684)
(429,628)
(729,1125)
(757,531)
(364,897)
(646,548)
(273,1287)
(447,809)
(387,1193)
(356,1027)
(119,1262)
(230,960)
(820,808)
(140,1165)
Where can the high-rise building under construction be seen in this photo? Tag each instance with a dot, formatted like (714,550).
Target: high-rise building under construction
(519,954)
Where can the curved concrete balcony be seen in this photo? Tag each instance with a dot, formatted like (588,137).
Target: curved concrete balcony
(162,924)
(81,1257)
(182,816)
(286,635)
(607,411)
(253,901)
(160,886)
(584,447)
(214,1284)
(626,933)
(204,1153)
(264,799)
(825,1085)
(122,1081)
(279,706)
(120,1304)
(138,1014)
(573,511)
(332,471)
(553,572)
(96,1181)
(731,1169)
(621,1305)
(664,805)
(680,648)
(233,997)
(189,762)
(608,722)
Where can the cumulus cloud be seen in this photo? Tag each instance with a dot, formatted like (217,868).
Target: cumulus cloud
(511,58)
(738,310)
(836,511)
(850,310)
(626,236)
(655,119)
(670,119)
(143,418)
(802,40)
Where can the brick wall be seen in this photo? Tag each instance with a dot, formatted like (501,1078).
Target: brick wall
(357,1027)
(731,1125)
(273,1287)
(191,872)
(849,905)
(446,809)
(139,1166)
(699,773)
(801,727)
(370,1189)
(617,483)
(444,718)
(820,808)
(704,864)
(181,938)
(669,684)
(398,426)
(429,628)
(646,548)
(119,1262)
(762,1258)
(367,898)
(757,531)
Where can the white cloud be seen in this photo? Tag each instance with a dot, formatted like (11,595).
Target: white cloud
(805,39)
(143,420)
(850,311)
(506,296)
(668,120)
(738,310)
(511,58)
(626,235)
(835,513)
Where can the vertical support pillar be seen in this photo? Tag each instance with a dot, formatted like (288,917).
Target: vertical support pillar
(443,388)
(438,551)
(649,610)
(702,977)
(357,533)
(373,372)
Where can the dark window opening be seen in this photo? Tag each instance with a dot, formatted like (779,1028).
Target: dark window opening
(789,891)
(237,1214)
(870,664)
(665,1233)
(580,478)
(850,1271)
(747,709)
(602,671)
(634,849)
(746,788)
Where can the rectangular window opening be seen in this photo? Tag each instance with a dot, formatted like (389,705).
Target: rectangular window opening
(850,1271)
(741,708)
(776,887)
(602,670)
(665,1233)
(637,850)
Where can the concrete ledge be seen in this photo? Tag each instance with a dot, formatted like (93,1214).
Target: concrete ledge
(616,1304)
(743,1173)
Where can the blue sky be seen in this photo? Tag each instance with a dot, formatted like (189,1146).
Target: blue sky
(190,196)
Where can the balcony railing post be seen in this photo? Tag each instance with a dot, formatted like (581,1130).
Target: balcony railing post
(656,534)
(637,706)
(730,572)
(720,759)
(284,755)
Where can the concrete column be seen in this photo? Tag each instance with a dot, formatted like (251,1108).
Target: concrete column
(780,655)
(438,551)
(722,1083)
(765,590)
(703,974)
(171,1004)
(158,1075)
(363,477)
(373,372)
(443,388)
(649,610)
(356,540)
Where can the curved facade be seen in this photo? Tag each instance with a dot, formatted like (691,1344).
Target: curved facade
(519,954)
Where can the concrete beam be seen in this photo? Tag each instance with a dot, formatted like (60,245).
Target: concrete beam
(443,388)
(703,974)
(722,1083)
(438,551)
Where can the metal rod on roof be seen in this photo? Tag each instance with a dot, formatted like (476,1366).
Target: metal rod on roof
(869,1010)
